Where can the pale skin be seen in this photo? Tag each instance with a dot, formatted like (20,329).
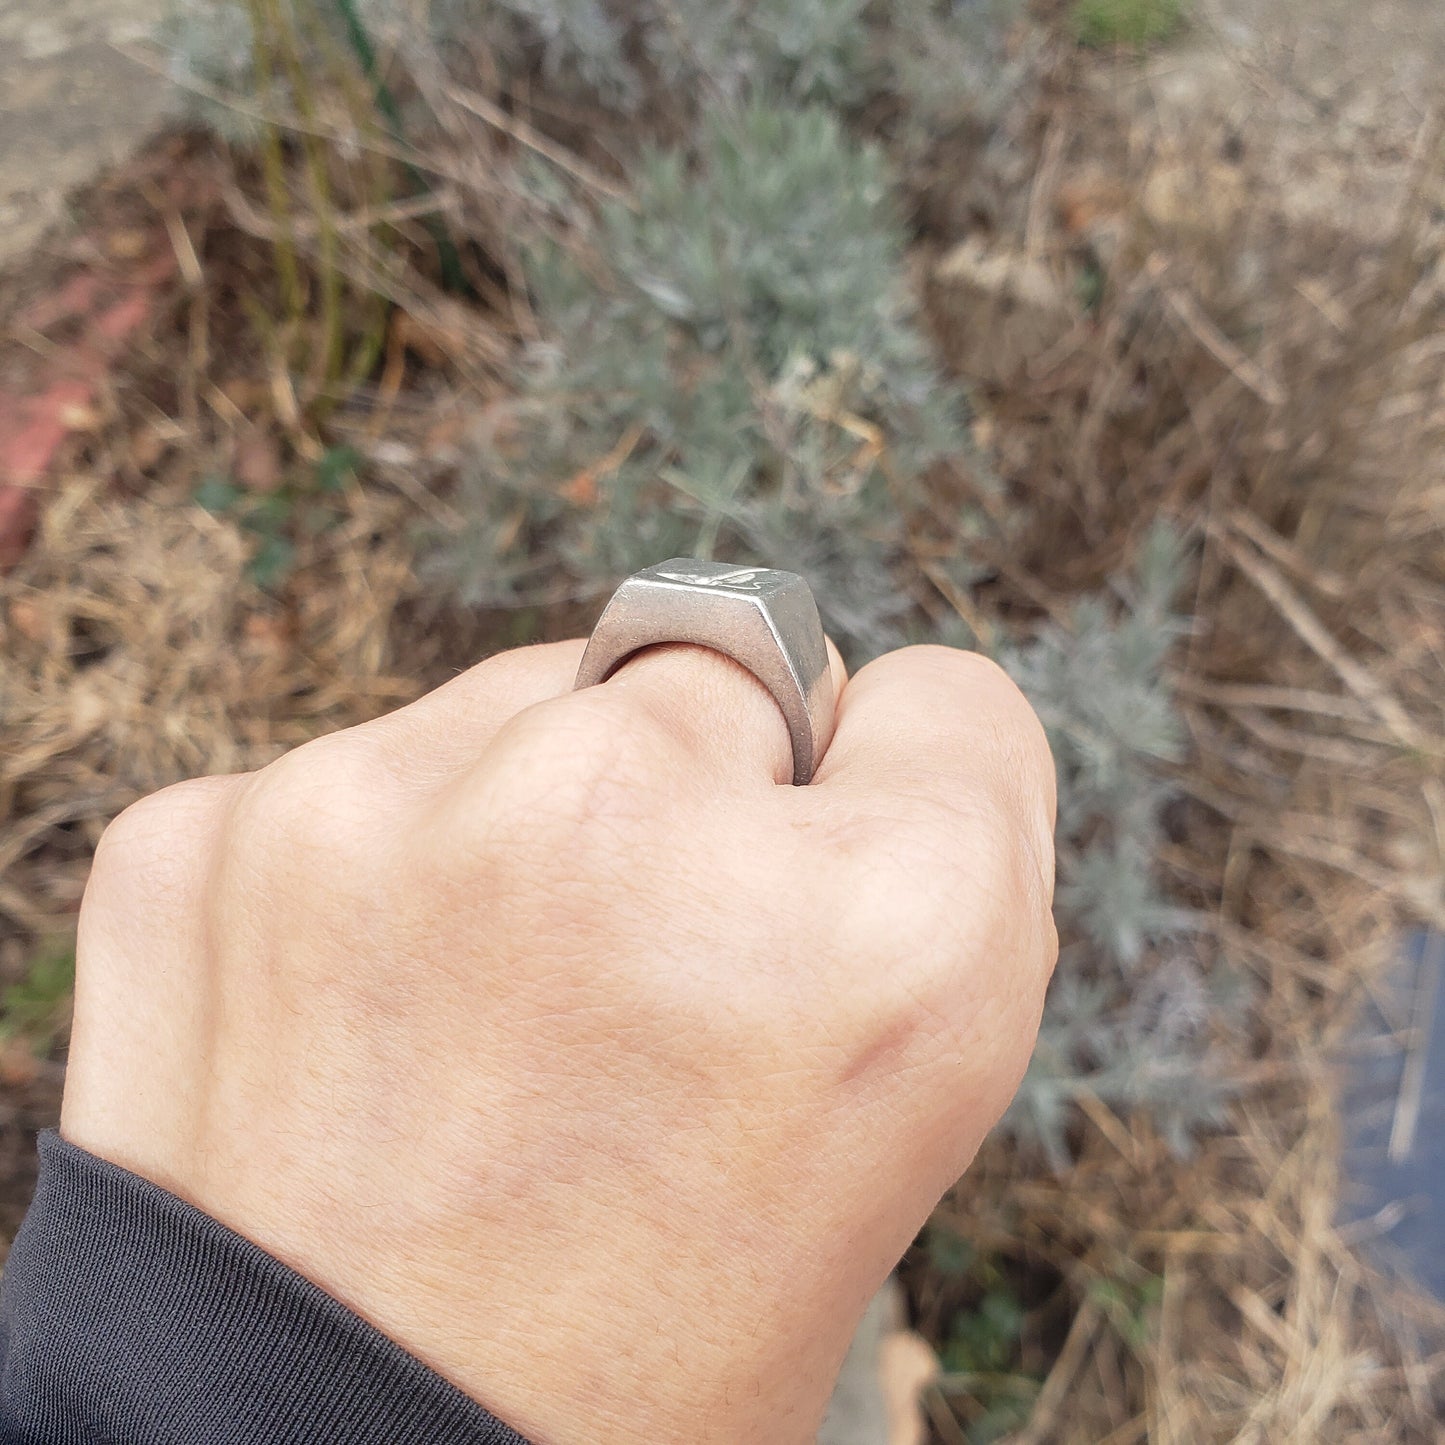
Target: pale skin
(557,1035)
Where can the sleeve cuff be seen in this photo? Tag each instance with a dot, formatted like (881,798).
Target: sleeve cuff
(130,1317)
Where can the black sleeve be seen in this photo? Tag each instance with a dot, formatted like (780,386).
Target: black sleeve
(128,1317)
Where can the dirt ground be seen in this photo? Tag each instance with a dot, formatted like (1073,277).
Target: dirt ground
(1334,93)
(70,104)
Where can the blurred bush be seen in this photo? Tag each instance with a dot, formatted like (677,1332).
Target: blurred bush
(733,364)
(810,50)
(631,54)
(926,61)
(1133,1017)
(1132,23)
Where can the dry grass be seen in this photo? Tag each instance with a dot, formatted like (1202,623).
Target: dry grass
(135,648)
(1290,414)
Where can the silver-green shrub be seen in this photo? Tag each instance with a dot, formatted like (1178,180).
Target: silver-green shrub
(734,366)
(628,51)
(1135,1016)
(940,58)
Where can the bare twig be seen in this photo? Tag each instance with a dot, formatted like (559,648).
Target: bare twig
(524,134)
(1263,695)
(251,221)
(1286,554)
(1046,183)
(1053,1396)
(1318,638)
(1248,373)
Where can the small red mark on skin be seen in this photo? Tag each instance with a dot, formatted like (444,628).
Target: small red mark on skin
(887,1050)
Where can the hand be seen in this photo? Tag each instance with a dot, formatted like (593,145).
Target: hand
(556,1035)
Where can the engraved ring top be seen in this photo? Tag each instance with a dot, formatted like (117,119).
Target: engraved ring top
(764,619)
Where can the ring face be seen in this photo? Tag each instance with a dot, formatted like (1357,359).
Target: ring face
(765,620)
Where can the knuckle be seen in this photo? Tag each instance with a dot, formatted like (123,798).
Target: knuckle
(998,868)
(1010,928)
(955,667)
(152,844)
(589,757)
(147,880)
(1020,761)
(1016,856)
(621,733)
(1016,794)
(566,790)
(1024,761)
(316,806)
(1016,723)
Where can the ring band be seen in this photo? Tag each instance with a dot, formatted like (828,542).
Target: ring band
(765,620)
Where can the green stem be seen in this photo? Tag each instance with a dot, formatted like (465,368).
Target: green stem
(273,164)
(366,53)
(329,356)
(452,277)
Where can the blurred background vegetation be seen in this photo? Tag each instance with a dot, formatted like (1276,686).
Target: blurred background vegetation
(429,321)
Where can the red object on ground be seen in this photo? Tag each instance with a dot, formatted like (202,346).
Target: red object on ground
(19,511)
(32,429)
(34,426)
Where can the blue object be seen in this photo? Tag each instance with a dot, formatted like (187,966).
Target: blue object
(1394,1109)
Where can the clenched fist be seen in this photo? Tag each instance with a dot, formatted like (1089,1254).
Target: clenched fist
(558,1036)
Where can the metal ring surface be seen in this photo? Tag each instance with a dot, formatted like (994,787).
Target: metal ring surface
(765,620)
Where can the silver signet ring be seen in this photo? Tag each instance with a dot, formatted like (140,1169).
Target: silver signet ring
(763,619)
